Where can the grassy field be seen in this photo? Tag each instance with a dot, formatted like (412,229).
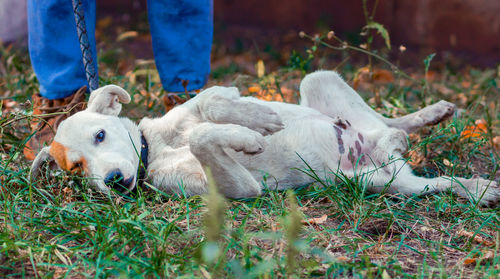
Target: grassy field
(57,226)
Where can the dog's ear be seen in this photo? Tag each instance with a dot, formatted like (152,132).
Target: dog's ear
(41,157)
(108,99)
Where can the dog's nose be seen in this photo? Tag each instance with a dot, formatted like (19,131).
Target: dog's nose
(117,181)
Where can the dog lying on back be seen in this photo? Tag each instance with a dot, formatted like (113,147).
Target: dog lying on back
(243,139)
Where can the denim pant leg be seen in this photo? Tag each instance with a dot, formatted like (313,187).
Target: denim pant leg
(182,33)
(54,48)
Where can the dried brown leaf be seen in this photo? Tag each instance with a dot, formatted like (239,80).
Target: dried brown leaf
(470,261)
(443,89)
(416,158)
(315,221)
(465,84)
(104,22)
(127,35)
(260,68)
(475,131)
(476,238)
(343,259)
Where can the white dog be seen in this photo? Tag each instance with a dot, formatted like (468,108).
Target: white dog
(243,139)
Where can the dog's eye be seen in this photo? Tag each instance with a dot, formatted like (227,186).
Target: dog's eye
(99,137)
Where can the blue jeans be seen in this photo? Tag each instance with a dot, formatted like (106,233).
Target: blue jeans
(181,32)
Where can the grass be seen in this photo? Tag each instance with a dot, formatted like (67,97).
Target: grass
(57,226)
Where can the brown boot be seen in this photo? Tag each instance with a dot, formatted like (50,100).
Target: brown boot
(49,114)
(171,100)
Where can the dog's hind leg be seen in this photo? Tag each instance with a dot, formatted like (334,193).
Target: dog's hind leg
(384,165)
(390,167)
(429,115)
(402,180)
(207,143)
(328,93)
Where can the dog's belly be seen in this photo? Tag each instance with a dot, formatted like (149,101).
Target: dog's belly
(312,142)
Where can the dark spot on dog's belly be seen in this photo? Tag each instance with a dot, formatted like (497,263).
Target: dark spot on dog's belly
(337,129)
(361,156)
(350,156)
(358,147)
(348,123)
(341,124)
(360,136)
(340,142)
(341,146)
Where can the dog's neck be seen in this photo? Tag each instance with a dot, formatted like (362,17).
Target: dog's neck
(140,144)
(133,131)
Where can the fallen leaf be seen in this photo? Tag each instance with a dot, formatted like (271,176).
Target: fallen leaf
(465,84)
(470,261)
(496,142)
(382,76)
(488,255)
(377,76)
(416,158)
(9,103)
(360,76)
(287,93)
(269,94)
(475,131)
(443,89)
(483,257)
(104,22)
(431,75)
(260,68)
(127,35)
(343,259)
(461,98)
(476,238)
(315,221)
(447,163)
(67,194)
(254,89)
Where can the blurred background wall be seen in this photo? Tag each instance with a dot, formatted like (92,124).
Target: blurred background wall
(465,27)
(12,19)
(471,27)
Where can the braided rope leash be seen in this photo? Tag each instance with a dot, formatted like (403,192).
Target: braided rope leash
(88,63)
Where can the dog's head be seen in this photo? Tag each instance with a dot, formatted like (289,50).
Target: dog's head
(97,143)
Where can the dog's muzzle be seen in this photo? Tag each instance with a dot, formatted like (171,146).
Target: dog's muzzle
(115,180)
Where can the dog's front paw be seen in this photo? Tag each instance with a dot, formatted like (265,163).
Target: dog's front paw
(485,191)
(261,119)
(248,142)
(269,123)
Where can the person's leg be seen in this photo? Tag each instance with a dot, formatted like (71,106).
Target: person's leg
(57,61)
(54,48)
(182,32)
